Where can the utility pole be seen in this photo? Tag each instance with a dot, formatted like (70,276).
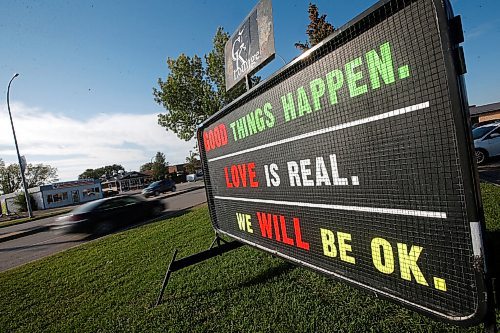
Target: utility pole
(26,194)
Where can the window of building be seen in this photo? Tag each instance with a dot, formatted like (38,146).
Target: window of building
(58,197)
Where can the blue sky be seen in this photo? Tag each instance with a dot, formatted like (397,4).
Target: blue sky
(84,96)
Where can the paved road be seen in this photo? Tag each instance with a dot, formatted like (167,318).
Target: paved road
(25,249)
(49,220)
(490,171)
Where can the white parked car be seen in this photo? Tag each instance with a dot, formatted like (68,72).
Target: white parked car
(486,142)
(194,177)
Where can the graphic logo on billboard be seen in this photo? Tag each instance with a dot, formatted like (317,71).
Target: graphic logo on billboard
(241,53)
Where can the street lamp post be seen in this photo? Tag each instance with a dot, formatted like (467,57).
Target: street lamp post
(28,203)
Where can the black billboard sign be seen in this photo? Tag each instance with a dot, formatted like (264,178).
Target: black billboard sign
(355,160)
(251,46)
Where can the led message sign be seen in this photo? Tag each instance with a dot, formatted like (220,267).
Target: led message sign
(355,161)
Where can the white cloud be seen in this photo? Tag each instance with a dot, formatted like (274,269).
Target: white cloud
(480,30)
(73,145)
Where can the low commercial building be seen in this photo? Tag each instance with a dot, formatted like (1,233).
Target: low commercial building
(484,113)
(127,181)
(56,195)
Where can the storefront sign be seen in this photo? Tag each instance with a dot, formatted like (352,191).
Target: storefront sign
(251,46)
(73,183)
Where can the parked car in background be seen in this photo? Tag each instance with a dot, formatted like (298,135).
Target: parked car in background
(104,215)
(158,187)
(486,142)
(195,176)
(192,177)
(109,193)
(486,122)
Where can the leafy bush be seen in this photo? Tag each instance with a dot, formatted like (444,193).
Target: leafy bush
(20,201)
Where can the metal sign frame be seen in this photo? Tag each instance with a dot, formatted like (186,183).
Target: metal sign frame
(449,36)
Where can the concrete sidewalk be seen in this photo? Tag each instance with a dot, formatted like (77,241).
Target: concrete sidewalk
(36,214)
(32,227)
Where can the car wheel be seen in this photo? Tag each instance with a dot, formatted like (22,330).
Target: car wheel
(157,193)
(103,228)
(173,189)
(481,156)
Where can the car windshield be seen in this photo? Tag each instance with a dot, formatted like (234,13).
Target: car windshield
(154,184)
(479,132)
(123,201)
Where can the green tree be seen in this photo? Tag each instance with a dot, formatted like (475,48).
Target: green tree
(146,167)
(36,175)
(20,201)
(10,177)
(192,163)
(317,30)
(193,91)
(40,174)
(90,174)
(105,171)
(160,167)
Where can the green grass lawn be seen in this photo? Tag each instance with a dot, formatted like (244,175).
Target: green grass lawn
(109,285)
(491,204)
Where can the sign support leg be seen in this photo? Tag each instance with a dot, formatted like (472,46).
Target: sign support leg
(223,246)
(490,323)
(217,240)
(166,278)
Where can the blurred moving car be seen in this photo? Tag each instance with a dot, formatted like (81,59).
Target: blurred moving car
(158,187)
(104,215)
(486,142)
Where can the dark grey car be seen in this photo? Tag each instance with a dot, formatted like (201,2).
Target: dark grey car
(158,187)
(104,215)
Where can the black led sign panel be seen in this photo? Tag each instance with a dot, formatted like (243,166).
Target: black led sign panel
(355,161)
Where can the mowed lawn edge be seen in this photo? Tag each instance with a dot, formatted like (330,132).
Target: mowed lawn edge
(110,285)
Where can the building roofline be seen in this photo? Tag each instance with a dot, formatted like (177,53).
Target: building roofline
(475,110)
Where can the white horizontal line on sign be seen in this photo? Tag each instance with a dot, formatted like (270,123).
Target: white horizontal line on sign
(391,211)
(362,121)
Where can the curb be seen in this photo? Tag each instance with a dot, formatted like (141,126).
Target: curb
(173,194)
(23,233)
(166,215)
(488,180)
